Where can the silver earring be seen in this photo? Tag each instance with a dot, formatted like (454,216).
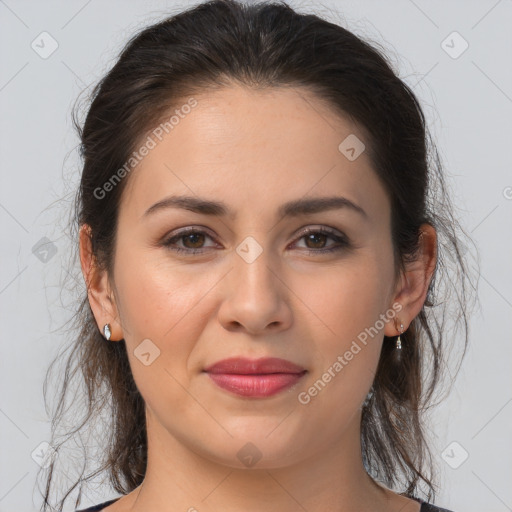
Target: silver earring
(106,331)
(368,398)
(398,340)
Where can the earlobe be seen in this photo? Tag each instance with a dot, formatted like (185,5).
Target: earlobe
(98,287)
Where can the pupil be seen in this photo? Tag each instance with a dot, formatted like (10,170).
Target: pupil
(194,237)
(316,235)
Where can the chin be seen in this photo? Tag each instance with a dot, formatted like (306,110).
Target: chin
(257,443)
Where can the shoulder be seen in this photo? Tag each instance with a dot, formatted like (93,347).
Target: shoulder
(427,507)
(101,506)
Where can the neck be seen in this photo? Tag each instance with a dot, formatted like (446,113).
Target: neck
(177,478)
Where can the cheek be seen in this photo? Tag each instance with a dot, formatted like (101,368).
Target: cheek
(346,300)
(349,302)
(163,314)
(156,299)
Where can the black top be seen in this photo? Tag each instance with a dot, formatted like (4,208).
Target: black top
(425,507)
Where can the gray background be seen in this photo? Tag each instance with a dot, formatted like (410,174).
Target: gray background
(468,103)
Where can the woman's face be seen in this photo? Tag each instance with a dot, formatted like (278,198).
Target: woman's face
(250,282)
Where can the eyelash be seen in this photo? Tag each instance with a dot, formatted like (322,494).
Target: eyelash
(342,241)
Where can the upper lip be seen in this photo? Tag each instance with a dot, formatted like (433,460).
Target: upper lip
(244,366)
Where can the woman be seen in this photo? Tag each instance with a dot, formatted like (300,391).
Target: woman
(260,235)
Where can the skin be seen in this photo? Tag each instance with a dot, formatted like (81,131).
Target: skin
(255,150)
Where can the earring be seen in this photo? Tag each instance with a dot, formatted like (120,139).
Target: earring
(397,353)
(399,341)
(106,331)
(368,398)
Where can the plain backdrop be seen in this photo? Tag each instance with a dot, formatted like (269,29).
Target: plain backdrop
(464,81)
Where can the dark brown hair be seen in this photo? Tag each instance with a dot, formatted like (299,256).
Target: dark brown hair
(264,45)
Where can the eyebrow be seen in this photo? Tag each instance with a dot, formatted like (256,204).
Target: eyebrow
(290,209)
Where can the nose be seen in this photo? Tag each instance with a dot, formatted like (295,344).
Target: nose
(255,296)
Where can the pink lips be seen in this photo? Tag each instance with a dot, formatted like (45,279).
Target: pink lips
(256,378)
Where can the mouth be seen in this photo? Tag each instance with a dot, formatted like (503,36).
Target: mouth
(255,378)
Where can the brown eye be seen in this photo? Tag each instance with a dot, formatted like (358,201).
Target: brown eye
(193,240)
(317,240)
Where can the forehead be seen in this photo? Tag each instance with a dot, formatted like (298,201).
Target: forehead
(254,148)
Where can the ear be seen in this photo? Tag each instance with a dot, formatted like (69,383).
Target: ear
(413,285)
(99,291)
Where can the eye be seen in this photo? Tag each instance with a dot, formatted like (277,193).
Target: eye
(315,239)
(193,240)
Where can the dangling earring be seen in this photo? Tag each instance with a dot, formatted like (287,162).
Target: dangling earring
(397,353)
(398,340)
(106,331)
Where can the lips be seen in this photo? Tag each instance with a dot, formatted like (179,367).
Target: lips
(255,378)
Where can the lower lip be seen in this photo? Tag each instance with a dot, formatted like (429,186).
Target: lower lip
(255,386)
